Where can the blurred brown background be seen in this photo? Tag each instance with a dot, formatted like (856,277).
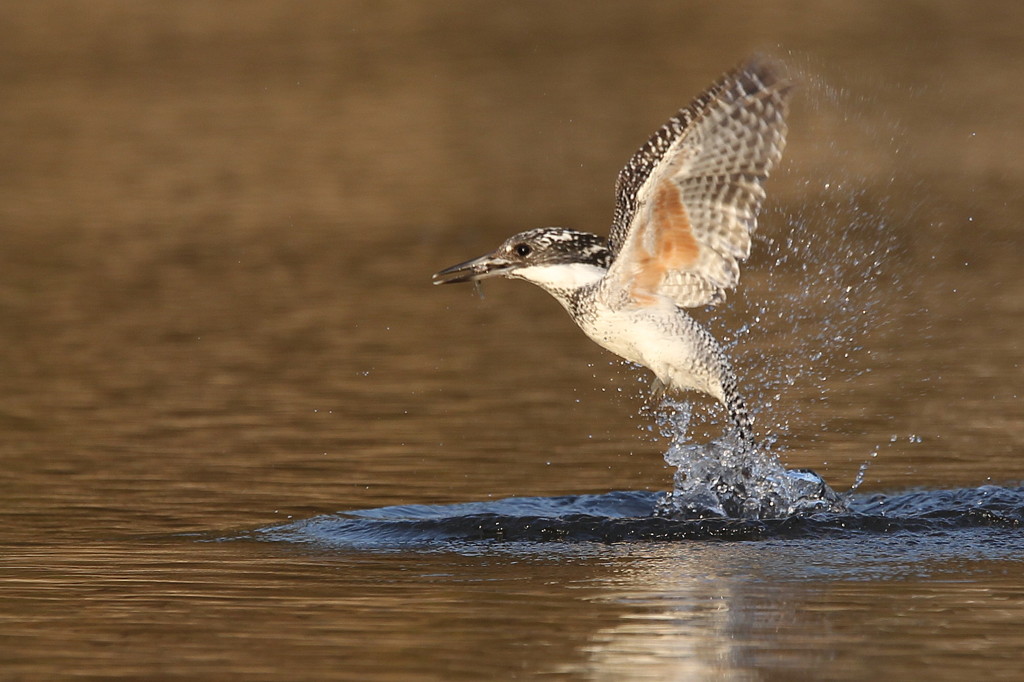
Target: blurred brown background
(219,222)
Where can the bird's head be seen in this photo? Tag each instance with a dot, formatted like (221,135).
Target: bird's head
(551,257)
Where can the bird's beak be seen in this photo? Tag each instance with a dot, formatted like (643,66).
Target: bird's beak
(472,270)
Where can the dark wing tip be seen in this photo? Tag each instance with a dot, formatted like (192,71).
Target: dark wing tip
(762,72)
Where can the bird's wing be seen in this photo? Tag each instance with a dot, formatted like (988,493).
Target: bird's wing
(687,202)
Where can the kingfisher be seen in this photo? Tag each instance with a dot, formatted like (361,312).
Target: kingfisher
(686,205)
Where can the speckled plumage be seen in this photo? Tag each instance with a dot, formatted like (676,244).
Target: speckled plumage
(686,205)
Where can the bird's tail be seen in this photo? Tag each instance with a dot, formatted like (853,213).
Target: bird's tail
(738,413)
(734,404)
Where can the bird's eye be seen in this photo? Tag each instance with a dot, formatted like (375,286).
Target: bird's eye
(523,250)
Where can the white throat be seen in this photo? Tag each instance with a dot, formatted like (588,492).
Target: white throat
(561,277)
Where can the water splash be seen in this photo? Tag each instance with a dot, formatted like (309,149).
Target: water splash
(820,286)
(729,478)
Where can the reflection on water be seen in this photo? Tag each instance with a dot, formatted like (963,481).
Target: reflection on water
(217,235)
(692,613)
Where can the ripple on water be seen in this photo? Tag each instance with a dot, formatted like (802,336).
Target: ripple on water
(629,516)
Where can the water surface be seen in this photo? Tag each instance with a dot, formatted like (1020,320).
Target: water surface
(217,230)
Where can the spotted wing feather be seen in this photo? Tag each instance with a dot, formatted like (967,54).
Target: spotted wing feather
(687,202)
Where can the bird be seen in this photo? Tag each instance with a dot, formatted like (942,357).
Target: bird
(686,205)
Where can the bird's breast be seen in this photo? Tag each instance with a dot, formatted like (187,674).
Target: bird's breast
(630,333)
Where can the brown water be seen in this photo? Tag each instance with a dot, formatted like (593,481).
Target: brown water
(217,227)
